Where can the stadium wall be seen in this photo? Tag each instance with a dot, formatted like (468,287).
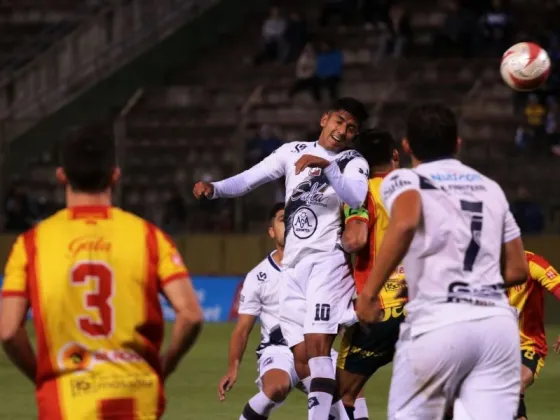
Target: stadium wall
(218,264)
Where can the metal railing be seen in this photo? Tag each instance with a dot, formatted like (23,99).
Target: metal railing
(120,133)
(90,53)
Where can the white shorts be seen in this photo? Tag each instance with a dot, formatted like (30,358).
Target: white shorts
(476,364)
(277,357)
(315,295)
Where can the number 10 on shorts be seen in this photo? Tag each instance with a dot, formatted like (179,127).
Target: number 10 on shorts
(322,312)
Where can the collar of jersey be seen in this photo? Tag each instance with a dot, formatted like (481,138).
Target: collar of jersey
(447,159)
(89,212)
(330,152)
(272,262)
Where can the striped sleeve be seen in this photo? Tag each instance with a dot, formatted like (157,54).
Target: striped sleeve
(544,273)
(15,272)
(170,264)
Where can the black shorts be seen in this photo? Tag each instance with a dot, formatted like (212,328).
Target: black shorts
(363,352)
(532,360)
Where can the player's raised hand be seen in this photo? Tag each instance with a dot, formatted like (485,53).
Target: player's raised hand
(226,384)
(202,188)
(556,345)
(368,309)
(310,161)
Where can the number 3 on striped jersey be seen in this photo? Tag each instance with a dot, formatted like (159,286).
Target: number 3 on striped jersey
(101,275)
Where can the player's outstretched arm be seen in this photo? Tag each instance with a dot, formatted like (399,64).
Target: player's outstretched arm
(270,168)
(188,322)
(13,335)
(355,234)
(406,214)
(514,263)
(237,346)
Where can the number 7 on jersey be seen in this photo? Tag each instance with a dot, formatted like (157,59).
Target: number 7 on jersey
(474,208)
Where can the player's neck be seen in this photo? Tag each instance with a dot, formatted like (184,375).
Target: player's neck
(77,199)
(278,255)
(327,145)
(381,170)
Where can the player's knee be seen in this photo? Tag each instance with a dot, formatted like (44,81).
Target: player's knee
(318,345)
(277,392)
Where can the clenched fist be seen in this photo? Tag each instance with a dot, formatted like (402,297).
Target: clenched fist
(203,189)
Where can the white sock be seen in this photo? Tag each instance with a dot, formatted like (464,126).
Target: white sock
(258,407)
(306,384)
(322,388)
(338,412)
(360,409)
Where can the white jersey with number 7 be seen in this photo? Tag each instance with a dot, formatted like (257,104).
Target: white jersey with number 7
(453,263)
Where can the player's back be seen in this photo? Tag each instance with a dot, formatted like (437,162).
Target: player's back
(454,257)
(93,281)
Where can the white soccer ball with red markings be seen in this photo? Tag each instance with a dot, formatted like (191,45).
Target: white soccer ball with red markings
(525,66)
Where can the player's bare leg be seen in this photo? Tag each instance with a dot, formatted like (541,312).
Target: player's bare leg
(350,386)
(275,388)
(527,379)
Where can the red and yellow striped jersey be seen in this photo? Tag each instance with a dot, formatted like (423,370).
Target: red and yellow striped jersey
(528,299)
(92,276)
(377,218)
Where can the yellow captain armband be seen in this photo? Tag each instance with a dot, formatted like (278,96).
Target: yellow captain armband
(350,213)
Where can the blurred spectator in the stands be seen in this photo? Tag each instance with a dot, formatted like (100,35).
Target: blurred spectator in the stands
(175,212)
(296,35)
(458,33)
(305,74)
(274,44)
(330,62)
(497,25)
(341,9)
(20,211)
(375,12)
(530,133)
(398,34)
(553,82)
(527,212)
(262,145)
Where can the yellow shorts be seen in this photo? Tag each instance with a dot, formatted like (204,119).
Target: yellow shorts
(532,360)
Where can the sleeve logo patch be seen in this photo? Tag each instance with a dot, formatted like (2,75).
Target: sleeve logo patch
(176,259)
(551,273)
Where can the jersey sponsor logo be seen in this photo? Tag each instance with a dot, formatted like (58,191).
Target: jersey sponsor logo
(299,147)
(395,185)
(461,292)
(310,193)
(304,223)
(88,244)
(455,177)
(76,357)
(176,259)
(90,384)
(261,276)
(315,171)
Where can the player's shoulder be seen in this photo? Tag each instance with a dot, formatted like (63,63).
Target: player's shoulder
(294,148)
(263,271)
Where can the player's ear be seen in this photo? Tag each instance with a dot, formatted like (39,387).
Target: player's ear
(61,176)
(271,232)
(324,119)
(406,146)
(116,175)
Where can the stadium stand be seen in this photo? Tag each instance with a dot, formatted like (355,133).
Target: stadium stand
(197,123)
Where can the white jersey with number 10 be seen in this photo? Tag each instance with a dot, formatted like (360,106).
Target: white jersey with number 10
(453,264)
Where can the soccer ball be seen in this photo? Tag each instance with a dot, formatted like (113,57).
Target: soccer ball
(525,66)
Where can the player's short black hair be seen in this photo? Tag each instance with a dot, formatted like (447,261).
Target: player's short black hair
(376,146)
(88,156)
(353,107)
(275,209)
(431,131)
